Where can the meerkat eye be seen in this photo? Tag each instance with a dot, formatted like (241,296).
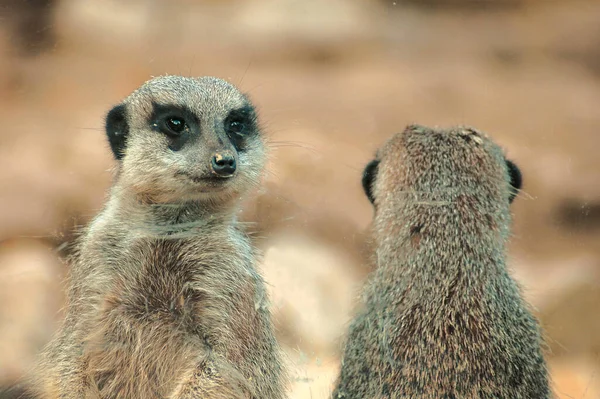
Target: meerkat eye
(175,125)
(240,125)
(236,126)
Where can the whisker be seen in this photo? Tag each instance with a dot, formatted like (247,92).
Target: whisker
(245,71)
(525,194)
(294,144)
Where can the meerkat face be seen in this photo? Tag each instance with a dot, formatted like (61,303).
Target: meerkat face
(422,159)
(182,139)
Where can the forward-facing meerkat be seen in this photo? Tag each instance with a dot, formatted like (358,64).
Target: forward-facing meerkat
(164,298)
(442,318)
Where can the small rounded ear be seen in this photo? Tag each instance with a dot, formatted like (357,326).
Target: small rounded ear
(117,130)
(516,179)
(368,178)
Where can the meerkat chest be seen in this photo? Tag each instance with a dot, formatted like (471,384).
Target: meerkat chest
(189,284)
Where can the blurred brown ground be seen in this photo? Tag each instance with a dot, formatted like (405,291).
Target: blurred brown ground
(333,80)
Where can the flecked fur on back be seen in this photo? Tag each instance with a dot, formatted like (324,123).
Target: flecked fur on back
(440,316)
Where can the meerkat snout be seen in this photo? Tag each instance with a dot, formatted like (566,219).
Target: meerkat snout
(223,164)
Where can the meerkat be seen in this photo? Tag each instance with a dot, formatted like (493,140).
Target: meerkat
(164,296)
(440,316)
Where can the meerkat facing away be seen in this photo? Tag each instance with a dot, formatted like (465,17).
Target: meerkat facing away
(441,316)
(164,299)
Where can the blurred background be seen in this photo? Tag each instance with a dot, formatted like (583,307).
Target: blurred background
(333,79)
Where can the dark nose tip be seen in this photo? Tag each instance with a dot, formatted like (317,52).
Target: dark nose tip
(223,164)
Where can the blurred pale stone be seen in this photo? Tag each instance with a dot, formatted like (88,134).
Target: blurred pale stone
(575,378)
(313,289)
(30,275)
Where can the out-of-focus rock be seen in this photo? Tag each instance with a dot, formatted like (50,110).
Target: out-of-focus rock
(473,5)
(313,290)
(30,276)
(575,378)
(311,20)
(54,176)
(103,22)
(31,24)
(308,30)
(559,276)
(578,215)
(274,213)
(312,377)
(271,30)
(571,321)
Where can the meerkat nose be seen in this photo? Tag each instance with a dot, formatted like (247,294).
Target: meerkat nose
(223,164)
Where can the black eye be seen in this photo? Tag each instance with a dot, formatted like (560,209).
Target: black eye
(236,127)
(175,125)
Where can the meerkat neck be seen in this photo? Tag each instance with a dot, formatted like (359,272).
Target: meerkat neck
(442,243)
(170,219)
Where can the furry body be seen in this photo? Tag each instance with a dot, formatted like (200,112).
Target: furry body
(441,316)
(164,297)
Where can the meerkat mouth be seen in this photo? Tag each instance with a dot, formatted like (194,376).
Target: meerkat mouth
(206,183)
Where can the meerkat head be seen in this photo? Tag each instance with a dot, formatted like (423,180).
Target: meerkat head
(422,159)
(180,139)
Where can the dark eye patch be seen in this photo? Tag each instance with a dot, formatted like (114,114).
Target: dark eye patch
(368,179)
(516,179)
(177,122)
(163,111)
(117,130)
(239,124)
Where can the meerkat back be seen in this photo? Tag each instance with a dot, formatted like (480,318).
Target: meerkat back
(440,315)
(164,298)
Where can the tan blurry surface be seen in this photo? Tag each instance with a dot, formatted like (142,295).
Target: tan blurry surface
(333,80)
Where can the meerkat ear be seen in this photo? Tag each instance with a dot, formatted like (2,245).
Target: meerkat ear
(117,130)
(516,179)
(368,178)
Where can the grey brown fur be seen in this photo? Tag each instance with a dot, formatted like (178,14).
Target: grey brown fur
(441,317)
(164,298)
